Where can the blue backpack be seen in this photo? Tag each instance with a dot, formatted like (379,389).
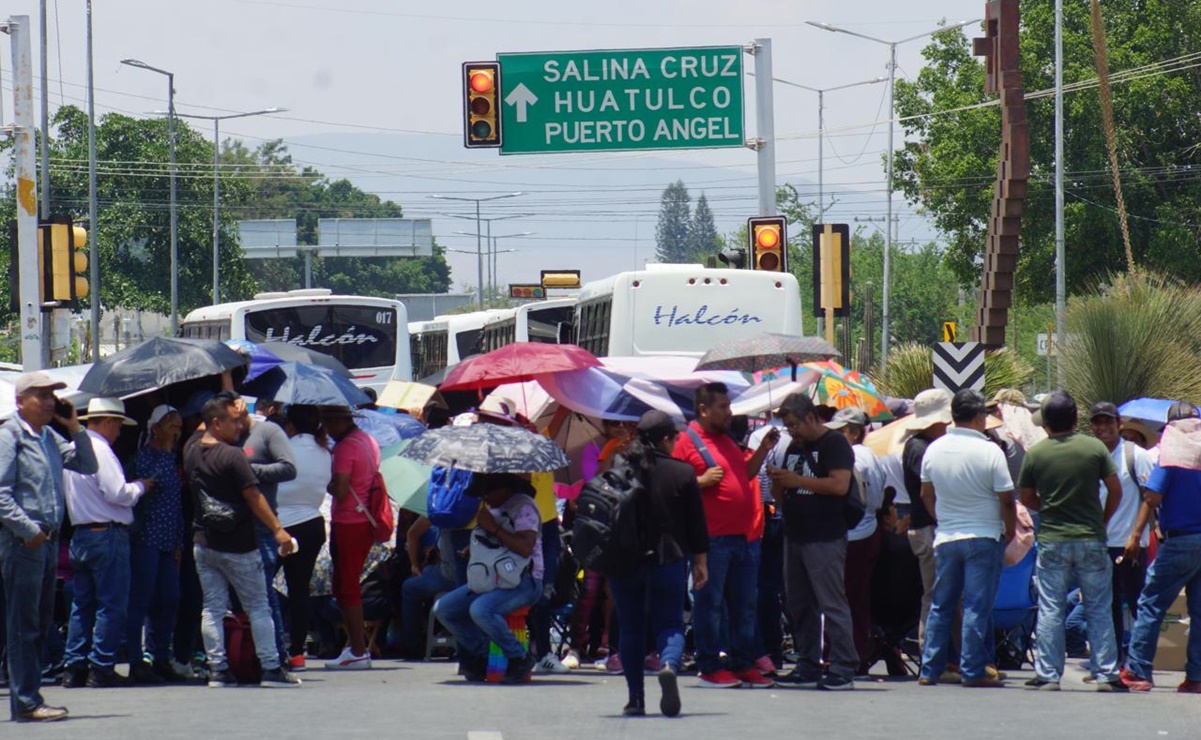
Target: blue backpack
(449,504)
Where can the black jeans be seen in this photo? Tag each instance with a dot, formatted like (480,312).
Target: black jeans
(1128,579)
(298,572)
(769,628)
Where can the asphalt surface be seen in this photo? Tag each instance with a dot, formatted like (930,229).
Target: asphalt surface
(425,700)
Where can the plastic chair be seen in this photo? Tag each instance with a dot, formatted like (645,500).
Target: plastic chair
(1016,607)
(437,637)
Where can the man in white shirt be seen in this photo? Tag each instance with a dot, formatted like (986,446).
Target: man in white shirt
(1127,533)
(101,509)
(967,487)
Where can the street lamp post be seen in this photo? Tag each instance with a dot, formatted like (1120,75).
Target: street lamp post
(479,258)
(217,185)
(892,70)
(174,199)
(493,251)
(821,129)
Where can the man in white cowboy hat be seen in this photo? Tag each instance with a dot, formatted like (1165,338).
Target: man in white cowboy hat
(101,508)
(931,416)
(32,459)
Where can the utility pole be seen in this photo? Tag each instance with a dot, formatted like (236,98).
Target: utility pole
(93,215)
(45,119)
(25,166)
(765,126)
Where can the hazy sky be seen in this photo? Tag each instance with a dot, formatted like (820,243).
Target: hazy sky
(392,67)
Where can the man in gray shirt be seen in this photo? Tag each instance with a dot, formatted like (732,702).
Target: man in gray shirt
(270,456)
(32,460)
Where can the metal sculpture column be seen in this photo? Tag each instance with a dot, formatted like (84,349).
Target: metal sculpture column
(999,48)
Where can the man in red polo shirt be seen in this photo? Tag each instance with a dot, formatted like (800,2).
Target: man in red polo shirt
(724,475)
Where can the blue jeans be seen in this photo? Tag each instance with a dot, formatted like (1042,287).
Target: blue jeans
(1177,565)
(269,552)
(153,594)
(970,570)
(1060,564)
(477,619)
(414,593)
(654,596)
(100,561)
(732,589)
(28,576)
(218,571)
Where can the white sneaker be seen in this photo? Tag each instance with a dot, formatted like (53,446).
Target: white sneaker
(550,664)
(571,660)
(348,661)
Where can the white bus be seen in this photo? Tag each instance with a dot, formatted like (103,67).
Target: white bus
(683,309)
(545,322)
(450,339)
(368,335)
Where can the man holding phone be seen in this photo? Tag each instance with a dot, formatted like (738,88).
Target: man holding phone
(32,460)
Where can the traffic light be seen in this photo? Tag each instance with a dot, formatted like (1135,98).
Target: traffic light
(526,291)
(62,263)
(481,104)
(734,257)
(768,237)
(831,269)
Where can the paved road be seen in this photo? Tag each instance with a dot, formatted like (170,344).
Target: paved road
(423,700)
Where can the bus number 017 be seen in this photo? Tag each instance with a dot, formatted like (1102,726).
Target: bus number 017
(384,317)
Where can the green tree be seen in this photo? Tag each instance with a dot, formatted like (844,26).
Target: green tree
(948,163)
(133,233)
(671,232)
(702,232)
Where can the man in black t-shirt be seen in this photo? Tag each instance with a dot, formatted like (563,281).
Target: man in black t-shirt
(811,491)
(227,499)
(931,416)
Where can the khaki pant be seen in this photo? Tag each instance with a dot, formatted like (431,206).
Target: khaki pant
(921,541)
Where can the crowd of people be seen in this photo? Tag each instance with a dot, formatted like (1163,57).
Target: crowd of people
(793,542)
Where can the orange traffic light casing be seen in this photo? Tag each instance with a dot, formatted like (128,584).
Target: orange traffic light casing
(565,279)
(481,104)
(831,269)
(527,291)
(768,236)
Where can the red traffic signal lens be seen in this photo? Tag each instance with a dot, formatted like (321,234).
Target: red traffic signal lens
(481,82)
(481,129)
(767,237)
(480,106)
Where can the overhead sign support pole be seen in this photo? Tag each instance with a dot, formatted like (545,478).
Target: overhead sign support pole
(765,127)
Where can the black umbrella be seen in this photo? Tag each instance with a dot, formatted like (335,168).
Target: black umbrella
(158,362)
(766,351)
(310,385)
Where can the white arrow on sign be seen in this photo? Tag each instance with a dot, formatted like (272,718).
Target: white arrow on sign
(521,96)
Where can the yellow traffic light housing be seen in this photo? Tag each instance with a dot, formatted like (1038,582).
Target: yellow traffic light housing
(768,237)
(481,104)
(564,279)
(62,263)
(831,270)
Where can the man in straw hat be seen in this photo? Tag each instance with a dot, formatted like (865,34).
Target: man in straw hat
(32,460)
(931,415)
(101,507)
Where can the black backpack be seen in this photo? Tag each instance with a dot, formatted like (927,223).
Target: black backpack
(609,533)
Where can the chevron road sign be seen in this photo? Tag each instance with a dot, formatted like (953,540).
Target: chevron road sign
(958,366)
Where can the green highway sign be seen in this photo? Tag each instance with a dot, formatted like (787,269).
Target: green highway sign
(621,100)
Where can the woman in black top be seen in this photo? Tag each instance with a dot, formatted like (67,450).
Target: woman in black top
(653,593)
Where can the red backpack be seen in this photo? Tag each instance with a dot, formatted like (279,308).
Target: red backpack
(239,649)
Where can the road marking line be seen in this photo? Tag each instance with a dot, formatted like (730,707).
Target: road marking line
(484,735)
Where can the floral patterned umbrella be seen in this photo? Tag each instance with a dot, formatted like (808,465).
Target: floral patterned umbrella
(836,386)
(487,448)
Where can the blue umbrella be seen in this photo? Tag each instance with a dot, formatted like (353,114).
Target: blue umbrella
(1146,409)
(261,360)
(388,429)
(310,385)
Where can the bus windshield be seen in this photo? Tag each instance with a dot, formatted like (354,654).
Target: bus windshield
(358,336)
